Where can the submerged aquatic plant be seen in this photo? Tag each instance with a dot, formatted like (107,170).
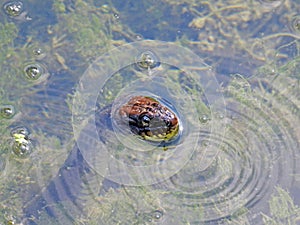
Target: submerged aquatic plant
(236,37)
(282,209)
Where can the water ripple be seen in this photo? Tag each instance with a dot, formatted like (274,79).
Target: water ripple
(257,155)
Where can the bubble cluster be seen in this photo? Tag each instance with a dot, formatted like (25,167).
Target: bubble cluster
(22,145)
(13,8)
(153,217)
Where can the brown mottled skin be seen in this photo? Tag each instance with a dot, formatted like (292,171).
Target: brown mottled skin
(149,119)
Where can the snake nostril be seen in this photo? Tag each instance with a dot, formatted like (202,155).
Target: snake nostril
(168,123)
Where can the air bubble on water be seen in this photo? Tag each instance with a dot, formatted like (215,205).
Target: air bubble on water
(138,37)
(35,71)
(157,214)
(147,60)
(38,53)
(22,148)
(116,16)
(204,118)
(7,111)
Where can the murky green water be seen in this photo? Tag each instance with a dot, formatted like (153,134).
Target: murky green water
(230,70)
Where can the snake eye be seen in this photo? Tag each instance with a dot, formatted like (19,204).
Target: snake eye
(145,120)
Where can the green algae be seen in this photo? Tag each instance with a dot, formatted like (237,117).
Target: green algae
(84,32)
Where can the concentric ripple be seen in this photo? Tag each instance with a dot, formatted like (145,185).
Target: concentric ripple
(180,79)
(224,167)
(257,154)
(106,156)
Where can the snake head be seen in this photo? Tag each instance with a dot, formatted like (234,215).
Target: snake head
(149,119)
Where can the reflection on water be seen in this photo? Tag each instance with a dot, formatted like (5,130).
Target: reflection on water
(235,161)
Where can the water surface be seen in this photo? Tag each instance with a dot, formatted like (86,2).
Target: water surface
(229,68)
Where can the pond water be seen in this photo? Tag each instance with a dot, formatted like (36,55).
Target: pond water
(229,70)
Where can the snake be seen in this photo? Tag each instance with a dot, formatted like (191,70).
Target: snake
(149,119)
(146,117)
